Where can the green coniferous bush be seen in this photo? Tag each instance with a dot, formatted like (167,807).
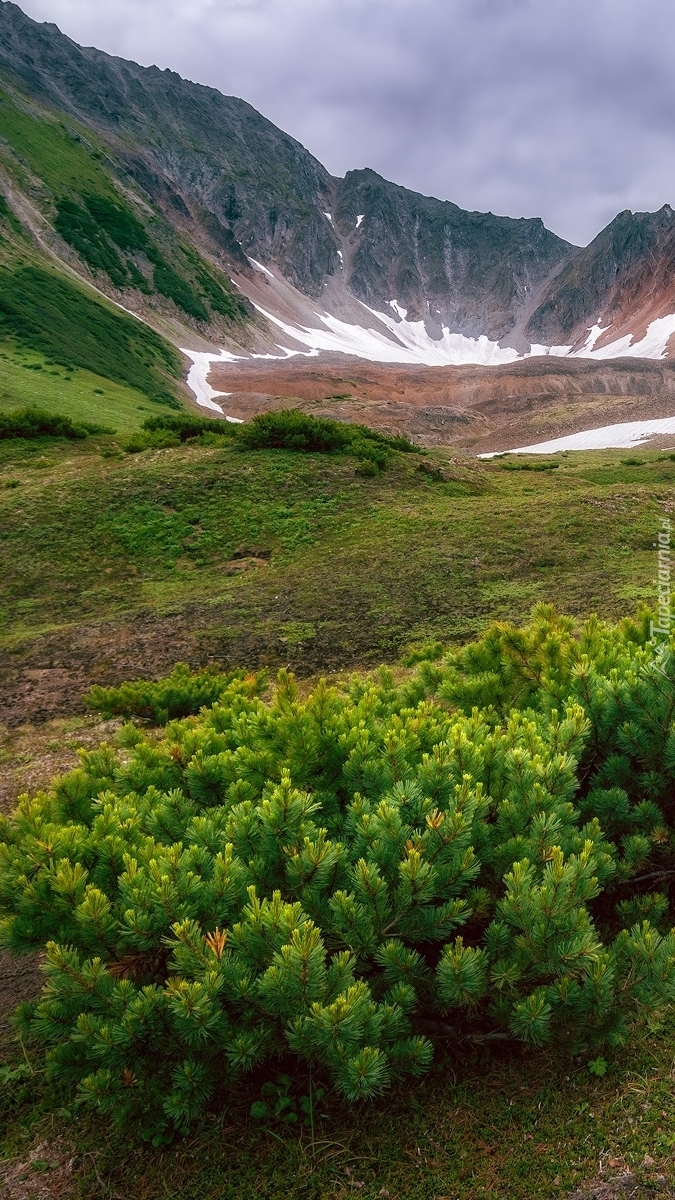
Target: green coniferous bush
(483,850)
(291,429)
(32,422)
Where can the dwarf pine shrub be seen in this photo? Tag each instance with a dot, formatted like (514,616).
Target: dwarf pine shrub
(485,849)
(33,422)
(291,429)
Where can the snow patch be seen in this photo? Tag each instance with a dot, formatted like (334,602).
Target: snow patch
(342,261)
(606,437)
(328,217)
(410,342)
(198,380)
(652,345)
(254,262)
(359,219)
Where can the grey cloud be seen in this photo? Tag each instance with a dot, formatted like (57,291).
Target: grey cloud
(563,109)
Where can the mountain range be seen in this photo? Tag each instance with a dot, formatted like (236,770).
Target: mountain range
(193,211)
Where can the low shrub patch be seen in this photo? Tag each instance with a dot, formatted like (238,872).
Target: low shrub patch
(189,425)
(291,429)
(36,423)
(483,851)
(181,694)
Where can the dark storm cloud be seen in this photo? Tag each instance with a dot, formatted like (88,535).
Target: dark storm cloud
(559,108)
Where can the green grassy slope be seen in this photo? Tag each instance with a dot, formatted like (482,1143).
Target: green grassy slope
(359,567)
(29,378)
(51,315)
(118,236)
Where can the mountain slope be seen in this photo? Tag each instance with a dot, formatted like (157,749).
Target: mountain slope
(622,281)
(211,162)
(183,140)
(471,271)
(193,210)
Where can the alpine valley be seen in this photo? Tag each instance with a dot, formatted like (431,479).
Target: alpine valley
(359,299)
(276,919)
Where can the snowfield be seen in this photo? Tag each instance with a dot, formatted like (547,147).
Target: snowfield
(198,380)
(409,342)
(605,437)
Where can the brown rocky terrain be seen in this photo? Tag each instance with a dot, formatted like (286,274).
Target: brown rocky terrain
(476,409)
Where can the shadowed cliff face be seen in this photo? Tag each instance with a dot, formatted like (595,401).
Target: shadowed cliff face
(473,272)
(625,278)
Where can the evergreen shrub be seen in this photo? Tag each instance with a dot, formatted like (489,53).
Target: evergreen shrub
(291,429)
(189,425)
(163,432)
(180,694)
(483,850)
(36,423)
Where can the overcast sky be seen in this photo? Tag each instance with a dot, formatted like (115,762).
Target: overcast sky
(563,109)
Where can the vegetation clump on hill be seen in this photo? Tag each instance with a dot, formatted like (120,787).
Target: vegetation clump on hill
(291,429)
(483,851)
(47,313)
(34,422)
(181,694)
(288,429)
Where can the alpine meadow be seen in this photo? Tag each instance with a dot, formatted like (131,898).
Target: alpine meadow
(337,727)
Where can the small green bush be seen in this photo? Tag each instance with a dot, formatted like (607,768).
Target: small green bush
(367,468)
(485,850)
(36,423)
(178,695)
(189,425)
(291,429)
(163,432)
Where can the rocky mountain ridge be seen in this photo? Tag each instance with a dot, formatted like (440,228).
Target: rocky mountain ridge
(224,176)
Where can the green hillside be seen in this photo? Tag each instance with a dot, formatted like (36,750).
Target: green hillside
(102,362)
(29,378)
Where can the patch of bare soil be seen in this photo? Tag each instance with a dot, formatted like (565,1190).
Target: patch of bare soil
(478,409)
(45,1173)
(46,677)
(625,1186)
(32,755)
(20,979)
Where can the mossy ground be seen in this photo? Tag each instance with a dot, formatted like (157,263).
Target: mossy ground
(344,569)
(359,569)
